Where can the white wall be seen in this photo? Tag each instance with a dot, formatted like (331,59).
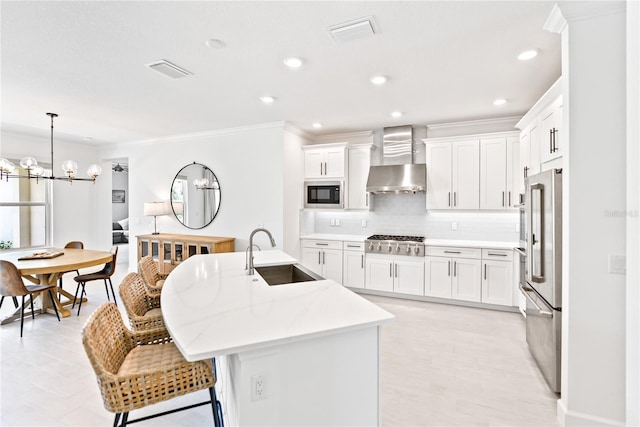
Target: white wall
(74,205)
(248,162)
(593,340)
(633,219)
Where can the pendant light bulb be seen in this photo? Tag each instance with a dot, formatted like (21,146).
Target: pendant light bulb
(70,168)
(28,163)
(94,171)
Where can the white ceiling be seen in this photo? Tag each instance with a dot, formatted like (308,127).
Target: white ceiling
(447,61)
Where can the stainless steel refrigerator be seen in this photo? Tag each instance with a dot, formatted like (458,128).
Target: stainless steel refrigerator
(543,284)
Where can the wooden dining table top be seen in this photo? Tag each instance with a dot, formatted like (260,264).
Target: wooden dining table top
(72,259)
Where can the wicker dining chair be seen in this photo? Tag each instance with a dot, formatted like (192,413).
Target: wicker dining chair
(135,369)
(152,278)
(71,245)
(104,275)
(142,308)
(11,285)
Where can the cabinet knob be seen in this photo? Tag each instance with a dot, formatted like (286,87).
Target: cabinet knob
(408,249)
(416,250)
(379,248)
(397,248)
(389,249)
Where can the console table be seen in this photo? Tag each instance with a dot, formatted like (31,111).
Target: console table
(169,250)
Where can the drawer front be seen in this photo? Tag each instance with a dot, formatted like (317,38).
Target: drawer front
(322,244)
(353,246)
(498,254)
(454,252)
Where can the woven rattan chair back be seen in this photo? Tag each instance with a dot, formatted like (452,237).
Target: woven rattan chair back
(138,303)
(105,340)
(148,269)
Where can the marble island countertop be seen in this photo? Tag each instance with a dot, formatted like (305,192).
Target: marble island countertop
(212,307)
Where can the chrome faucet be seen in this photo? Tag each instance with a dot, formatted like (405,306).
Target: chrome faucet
(251,270)
(246,256)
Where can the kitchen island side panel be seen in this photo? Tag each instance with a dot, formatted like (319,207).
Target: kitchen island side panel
(330,381)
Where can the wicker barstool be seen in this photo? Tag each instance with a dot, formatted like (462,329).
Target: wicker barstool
(135,369)
(142,308)
(148,269)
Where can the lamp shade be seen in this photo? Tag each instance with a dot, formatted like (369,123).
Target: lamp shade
(155,208)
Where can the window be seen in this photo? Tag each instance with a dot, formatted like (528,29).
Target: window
(25,211)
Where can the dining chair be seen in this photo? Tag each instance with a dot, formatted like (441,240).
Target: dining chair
(71,245)
(142,308)
(148,269)
(11,285)
(135,369)
(104,275)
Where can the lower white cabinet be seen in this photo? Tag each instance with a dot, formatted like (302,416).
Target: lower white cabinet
(353,265)
(323,258)
(455,278)
(497,282)
(395,274)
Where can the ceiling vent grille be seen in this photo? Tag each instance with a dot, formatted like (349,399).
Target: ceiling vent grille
(169,69)
(352,30)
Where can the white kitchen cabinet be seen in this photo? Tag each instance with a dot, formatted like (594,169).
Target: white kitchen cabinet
(323,258)
(353,264)
(395,274)
(453,278)
(497,277)
(324,161)
(453,169)
(498,186)
(551,131)
(465,279)
(359,162)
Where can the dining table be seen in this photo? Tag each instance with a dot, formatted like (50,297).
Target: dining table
(46,266)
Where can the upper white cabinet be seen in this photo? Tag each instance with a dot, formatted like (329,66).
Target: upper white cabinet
(541,136)
(499,184)
(453,169)
(325,161)
(473,172)
(359,162)
(551,126)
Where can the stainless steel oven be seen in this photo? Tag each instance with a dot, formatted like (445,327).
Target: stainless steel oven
(324,194)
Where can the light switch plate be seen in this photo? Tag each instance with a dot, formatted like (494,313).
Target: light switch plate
(617,264)
(454,225)
(364,223)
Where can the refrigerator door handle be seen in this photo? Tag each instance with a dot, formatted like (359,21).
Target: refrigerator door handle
(525,291)
(536,255)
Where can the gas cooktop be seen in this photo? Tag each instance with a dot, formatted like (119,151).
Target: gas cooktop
(396,238)
(395,245)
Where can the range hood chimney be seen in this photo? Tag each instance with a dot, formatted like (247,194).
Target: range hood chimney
(398,173)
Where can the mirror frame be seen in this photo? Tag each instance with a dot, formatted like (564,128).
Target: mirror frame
(219,195)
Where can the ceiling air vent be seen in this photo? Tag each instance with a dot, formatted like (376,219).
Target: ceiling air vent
(352,30)
(169,69)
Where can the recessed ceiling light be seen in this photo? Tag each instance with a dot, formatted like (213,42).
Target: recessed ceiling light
(500,101)
(378,79)
(528,54)
(87,138)
(396,114)
(168,69)
(215,43)
(317,125)
(293,62)
(267,99)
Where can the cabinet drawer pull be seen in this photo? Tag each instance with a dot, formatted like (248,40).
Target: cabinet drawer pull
(448,268)
(390,269)
(319,258)
(492,254)
(550,140)
(396,270)
(353,246)
(361,261)
(503,199)
(322,244)
(449,198)
(455,202)
(509,198)
(452,252)
(455,268)
(485,272)
(323,257)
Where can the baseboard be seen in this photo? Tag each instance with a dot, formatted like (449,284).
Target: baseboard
(578,419)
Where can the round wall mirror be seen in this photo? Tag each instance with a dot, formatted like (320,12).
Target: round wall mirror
(195,196)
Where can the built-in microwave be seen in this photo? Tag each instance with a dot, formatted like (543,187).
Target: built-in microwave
(324,194)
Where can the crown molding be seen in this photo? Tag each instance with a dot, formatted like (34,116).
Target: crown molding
(297,131)
(362,137)
(573,11)
(556,21)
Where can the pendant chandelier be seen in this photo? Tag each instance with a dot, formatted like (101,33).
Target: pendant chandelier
(69,167)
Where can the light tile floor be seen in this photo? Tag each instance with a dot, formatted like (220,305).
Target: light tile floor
(441,365)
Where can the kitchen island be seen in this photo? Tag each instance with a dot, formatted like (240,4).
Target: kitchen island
(305,353)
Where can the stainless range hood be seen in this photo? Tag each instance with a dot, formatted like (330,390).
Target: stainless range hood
(398,173)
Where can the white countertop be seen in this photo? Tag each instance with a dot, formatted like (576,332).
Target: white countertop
(471,243)
(339,237)
(212,307)
(429,242)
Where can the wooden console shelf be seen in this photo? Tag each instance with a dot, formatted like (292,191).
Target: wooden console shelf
(169,250)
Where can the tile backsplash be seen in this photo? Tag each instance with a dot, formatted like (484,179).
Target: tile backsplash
(405,214)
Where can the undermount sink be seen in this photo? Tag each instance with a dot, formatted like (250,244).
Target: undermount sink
(286,274)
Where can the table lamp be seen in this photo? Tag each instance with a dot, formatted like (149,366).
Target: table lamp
(155,209)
